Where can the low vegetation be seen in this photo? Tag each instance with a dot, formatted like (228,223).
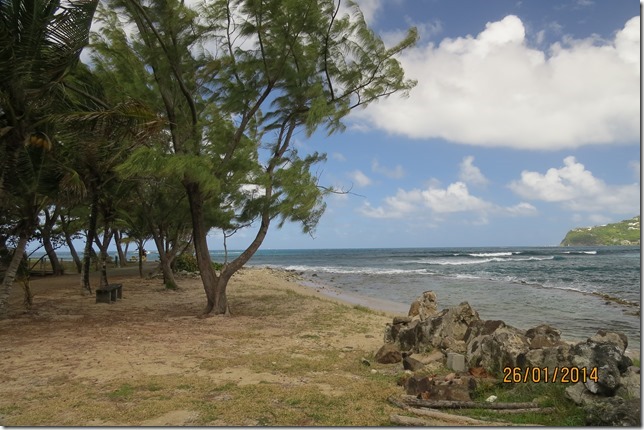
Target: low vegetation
(625,232)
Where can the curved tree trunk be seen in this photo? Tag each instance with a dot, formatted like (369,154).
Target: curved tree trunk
(56,267)
(216,297)
(164,257)
(45,230)
(10,276)
(70,244)
(119,247)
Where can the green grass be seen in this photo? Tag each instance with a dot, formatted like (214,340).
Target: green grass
(125,391)
(566,413)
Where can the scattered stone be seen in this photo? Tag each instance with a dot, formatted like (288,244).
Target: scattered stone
(449,392)
(388,354)
(450,377)
(365,362)
(491,399)
(479,372)
(374,371)
(432,357)
(410,363)
(456,362)
(418,384)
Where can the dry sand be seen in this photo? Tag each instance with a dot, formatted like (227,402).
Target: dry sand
(71,361)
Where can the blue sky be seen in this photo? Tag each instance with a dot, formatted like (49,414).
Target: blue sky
(524,124)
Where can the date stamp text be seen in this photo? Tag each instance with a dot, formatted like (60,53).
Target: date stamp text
(566,375)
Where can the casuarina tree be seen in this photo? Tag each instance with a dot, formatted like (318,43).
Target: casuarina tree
(235,81)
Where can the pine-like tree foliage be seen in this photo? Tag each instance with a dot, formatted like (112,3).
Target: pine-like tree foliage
(235,81)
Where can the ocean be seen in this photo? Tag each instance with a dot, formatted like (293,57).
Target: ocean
(577,290)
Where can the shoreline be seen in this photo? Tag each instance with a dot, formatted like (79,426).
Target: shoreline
(388,307)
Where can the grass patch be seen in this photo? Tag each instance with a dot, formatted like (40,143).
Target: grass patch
(566,413)
(125,391)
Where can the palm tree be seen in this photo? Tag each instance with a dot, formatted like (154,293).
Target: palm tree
(40,41)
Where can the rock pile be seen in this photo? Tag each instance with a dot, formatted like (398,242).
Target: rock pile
(602,377)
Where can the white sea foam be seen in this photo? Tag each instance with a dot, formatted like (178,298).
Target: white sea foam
(492,254)
(355,270)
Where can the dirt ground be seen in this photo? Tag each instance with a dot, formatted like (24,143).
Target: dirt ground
(148,360)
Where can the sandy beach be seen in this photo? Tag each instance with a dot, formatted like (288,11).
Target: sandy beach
(289,355)
(292,353)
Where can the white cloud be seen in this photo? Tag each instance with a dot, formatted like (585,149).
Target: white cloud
(360,178)
(338,157)
(471,174)
(369,9)
(396,173)
(635,167)
(493,89)
(441,201)
(577,189)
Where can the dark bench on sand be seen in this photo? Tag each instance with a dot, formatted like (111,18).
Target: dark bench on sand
(109,294)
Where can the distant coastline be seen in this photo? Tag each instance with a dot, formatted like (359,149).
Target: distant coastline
(623,233)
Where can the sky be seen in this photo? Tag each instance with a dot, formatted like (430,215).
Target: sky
(524,124)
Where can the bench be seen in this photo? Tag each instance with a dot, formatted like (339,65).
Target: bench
(109,294)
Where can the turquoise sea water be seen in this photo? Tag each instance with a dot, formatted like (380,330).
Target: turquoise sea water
(562,286)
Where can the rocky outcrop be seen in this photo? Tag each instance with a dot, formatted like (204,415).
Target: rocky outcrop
(496,345)
(424,307)
(610,382)
(445,330)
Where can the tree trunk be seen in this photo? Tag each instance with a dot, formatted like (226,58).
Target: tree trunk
(10,275)
(56,267)
(70,244)
(215,293)
(164,257)
(91,233)
(215,286)
(119,247)
(141,254)
(102,246)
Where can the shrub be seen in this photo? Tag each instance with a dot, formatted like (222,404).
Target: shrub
(187,263)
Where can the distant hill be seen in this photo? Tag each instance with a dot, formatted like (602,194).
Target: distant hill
(625,232)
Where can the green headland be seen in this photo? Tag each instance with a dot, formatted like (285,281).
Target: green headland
(625,232)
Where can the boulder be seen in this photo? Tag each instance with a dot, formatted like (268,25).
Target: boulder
(448,329)
(458,392)
(388,354)
(428,388)
(505,346)
(424,306)
(605,411)
(551,357)
(410,336)
(609,361)
(629,383)
(410,363)
(614,412)
(415,385)
(456,362)
(543,336)
(616,338)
